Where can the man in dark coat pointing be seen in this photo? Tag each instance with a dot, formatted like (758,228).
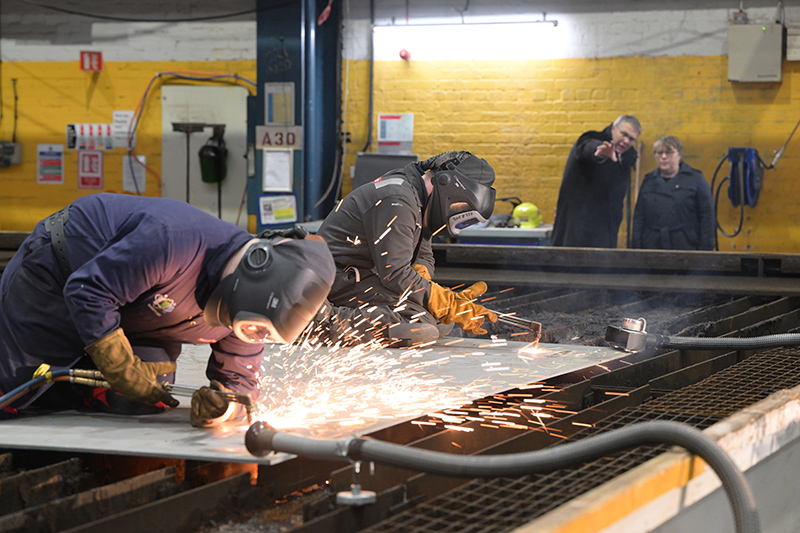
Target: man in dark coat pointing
(596,179)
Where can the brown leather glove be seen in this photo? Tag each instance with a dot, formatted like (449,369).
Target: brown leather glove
(127,374)
(422,270)
(210,409)
(448,306)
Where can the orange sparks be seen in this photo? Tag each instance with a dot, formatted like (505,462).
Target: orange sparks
(383,235)
(351,422)
(459,428)
(583,425)
(617,393)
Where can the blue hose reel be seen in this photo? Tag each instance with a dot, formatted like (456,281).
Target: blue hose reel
(746,177)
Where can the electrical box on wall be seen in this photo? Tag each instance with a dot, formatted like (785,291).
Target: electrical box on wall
(755,52)
(793,42)
(10,153)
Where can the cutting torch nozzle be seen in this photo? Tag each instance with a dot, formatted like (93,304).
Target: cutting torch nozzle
(523,323)
(238,397)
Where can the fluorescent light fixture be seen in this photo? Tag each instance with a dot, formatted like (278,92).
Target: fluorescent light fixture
(468,41)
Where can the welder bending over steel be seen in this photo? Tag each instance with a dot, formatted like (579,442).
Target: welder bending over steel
(380,237)
(119,283)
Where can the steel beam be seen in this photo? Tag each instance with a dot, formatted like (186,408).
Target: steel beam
(644,270)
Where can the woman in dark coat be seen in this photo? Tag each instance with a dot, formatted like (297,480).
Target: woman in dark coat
(674,210)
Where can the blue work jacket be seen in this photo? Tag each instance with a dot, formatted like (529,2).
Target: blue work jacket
(147,265)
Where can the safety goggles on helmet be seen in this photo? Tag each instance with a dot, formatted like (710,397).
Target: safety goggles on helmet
(274,292)
(458,202)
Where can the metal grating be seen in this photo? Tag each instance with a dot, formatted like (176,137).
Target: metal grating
(736,387)
(503,504)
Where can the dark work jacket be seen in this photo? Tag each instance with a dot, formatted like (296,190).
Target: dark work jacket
(590,200)
(147,265)
(377,229)
(675,213)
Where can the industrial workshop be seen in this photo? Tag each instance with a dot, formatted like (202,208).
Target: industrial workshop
(399,266)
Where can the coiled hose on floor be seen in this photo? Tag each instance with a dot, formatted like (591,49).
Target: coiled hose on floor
(262,439)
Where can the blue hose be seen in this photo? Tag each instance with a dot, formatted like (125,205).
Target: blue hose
(7,398)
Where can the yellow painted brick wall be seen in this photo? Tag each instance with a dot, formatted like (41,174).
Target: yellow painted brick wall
(523,116)
(54,94)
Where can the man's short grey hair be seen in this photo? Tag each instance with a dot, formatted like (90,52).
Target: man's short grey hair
(630,119)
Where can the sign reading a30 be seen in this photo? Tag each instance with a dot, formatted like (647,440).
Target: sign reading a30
(279,137)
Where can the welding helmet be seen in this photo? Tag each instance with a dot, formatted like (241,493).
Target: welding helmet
(526,215)
(275,291)
(462,192)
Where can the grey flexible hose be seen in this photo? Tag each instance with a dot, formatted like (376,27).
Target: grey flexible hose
(728,343)
(261,439)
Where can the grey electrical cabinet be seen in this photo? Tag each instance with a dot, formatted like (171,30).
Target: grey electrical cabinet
(755,52)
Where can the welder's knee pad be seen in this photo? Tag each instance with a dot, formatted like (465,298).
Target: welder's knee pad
(444,329)
(350,326)
(404,334)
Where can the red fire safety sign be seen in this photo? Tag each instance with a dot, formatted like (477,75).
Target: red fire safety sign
(90,169)
(92,61)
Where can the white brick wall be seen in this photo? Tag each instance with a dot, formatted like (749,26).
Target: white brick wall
(196,41)
(31,33)
(585,29)
(598,28)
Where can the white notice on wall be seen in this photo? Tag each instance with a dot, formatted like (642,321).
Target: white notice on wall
(120,127)
(50,163)
(398,127)
(133,174)
(277,209)
(277,166)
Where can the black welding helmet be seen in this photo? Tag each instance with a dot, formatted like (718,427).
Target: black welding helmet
(275,290)
(462,192)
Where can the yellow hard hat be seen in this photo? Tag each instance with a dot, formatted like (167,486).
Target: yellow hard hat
(526,215)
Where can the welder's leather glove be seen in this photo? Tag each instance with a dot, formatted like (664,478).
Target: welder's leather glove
(472,292)
(459,308)
(422,270)
(210,409)
(127,374)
